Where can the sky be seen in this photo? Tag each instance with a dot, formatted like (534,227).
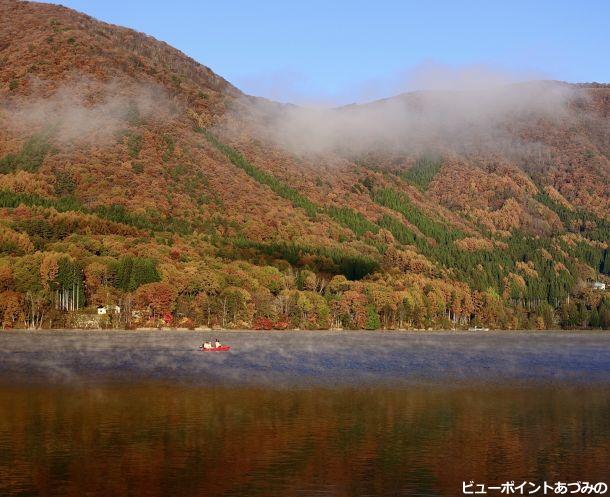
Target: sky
(344,51)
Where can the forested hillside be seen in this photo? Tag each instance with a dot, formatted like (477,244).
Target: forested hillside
(131,175)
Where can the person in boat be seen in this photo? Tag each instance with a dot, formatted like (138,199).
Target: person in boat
(217,343)
(207,345)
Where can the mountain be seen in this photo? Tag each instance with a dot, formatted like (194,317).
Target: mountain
(131,175)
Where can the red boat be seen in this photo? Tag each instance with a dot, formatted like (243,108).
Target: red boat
(222,348)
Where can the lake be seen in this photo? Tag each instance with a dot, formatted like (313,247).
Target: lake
(300,413)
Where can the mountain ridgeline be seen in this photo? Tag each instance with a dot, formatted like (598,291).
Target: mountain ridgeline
(133,176)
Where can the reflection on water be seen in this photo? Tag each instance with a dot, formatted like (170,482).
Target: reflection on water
(168,440)
(299,414)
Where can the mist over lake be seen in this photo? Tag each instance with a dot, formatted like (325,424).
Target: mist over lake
(299,413)
(283,359)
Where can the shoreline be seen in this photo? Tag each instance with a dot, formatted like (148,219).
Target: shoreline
(296,331)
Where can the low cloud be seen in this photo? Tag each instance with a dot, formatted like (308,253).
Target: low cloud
(456,108)
(85,110)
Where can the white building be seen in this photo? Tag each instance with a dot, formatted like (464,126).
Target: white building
(598,285)
(108,309)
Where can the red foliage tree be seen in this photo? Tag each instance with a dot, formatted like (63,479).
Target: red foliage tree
(158,298)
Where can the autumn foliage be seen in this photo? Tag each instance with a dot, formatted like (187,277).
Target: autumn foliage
(158,201)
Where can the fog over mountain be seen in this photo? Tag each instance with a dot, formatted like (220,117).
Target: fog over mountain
(133,175)
(433,118)
(82,109)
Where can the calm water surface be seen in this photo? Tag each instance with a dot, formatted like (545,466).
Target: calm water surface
(300,414)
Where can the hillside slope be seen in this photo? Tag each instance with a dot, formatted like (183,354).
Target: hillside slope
(132,175)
